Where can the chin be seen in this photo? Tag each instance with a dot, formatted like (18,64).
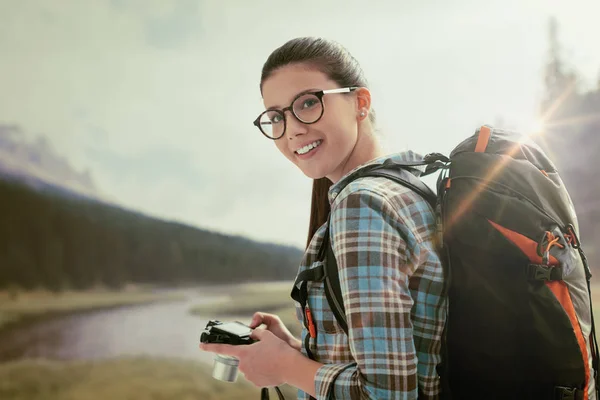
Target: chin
(315,168)
(313,174)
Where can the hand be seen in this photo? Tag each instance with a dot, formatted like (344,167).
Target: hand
(275,325)
(264,362)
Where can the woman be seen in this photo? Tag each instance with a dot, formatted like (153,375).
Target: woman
(319,116)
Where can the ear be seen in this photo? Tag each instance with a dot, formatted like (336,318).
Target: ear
(363,103)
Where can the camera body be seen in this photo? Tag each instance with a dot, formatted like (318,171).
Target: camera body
(233,333)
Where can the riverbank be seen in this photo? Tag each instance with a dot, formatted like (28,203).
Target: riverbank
(244,300)
(40,303)
(121,379)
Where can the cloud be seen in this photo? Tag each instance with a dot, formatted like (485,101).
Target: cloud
(166,25)
(149,167)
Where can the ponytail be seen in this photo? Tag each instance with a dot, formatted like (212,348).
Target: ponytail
(319,208)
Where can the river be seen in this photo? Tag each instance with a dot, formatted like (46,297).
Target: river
(156,329)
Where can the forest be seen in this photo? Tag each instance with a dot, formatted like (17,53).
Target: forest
(570,114)
(51,238)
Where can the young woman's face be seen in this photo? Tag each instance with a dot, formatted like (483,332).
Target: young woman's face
(332,138)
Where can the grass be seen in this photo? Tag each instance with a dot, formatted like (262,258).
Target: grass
(121,379)
(40,303)
(142,377)
(128,377)
(246,299)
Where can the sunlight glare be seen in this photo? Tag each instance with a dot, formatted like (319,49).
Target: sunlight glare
(534,128)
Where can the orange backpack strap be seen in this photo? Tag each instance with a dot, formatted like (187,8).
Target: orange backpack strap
(484,137)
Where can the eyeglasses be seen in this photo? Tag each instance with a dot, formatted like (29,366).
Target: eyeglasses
(307,107)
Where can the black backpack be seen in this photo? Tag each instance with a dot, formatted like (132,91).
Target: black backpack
(520,320)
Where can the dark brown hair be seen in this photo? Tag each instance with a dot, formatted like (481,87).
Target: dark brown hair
(340,66)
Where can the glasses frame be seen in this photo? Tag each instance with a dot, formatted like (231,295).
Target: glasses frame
(319,94)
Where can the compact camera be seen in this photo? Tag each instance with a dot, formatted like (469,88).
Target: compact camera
(234,333)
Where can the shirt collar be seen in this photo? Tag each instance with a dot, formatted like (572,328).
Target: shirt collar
(400,157)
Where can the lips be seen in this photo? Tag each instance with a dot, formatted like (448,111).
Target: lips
(307,148)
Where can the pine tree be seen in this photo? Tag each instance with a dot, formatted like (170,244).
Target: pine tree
(571,138)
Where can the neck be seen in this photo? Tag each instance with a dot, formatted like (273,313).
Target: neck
(367,148)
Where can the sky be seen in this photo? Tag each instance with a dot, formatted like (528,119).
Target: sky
(157,97)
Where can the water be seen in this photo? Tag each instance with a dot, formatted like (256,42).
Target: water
(159,329)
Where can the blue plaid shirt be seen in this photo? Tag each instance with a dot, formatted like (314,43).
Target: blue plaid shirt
(391,280)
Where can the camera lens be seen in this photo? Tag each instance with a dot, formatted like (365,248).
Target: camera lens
(225,368)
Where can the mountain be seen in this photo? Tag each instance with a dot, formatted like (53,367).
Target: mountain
(38,165)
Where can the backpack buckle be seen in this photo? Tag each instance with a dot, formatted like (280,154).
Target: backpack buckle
(433,157)
(567,393)
(537,272)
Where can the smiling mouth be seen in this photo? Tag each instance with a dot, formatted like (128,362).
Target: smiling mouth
(308,148)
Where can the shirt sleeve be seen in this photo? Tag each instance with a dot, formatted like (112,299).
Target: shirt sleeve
(376,254)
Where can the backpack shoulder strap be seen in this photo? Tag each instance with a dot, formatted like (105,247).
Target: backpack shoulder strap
(398,173)
(333,290)
(401,175)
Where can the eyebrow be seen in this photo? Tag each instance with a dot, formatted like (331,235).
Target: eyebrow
(295,97)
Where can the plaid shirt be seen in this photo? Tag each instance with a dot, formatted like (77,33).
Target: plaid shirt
(391,280)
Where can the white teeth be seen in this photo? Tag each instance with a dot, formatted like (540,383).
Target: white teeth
(308,147)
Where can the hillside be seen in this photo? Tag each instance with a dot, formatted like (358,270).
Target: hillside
(51,238)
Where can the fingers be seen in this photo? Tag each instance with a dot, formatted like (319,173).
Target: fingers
(224,349)
(259,333)
(257,319)
(263,318)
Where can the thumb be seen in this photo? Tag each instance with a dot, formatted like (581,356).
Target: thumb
(269,320)
(260,334)
(263,318)
(257,319)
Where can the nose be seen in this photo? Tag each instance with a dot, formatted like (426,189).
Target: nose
(294,127)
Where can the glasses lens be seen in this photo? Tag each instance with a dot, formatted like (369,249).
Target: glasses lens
(308,108)
(271,123)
